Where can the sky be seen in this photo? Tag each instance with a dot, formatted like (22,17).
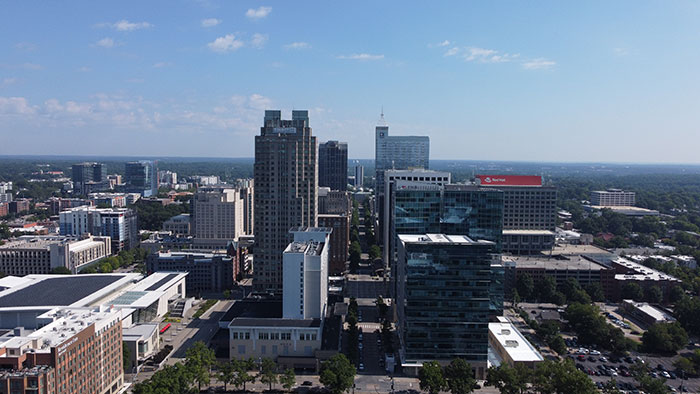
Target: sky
(593,81)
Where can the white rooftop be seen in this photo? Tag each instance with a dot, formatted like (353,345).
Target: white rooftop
(515,344)
(656,313)
(440,239)
(641,272)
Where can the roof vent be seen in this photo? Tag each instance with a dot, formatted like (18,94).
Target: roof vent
(511,343)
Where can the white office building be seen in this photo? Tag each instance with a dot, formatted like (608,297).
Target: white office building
(305,274)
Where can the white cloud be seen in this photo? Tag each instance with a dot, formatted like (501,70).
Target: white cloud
(258,40)
(298,45)
(8,81)
(361,56)
(482,55)
(125,25)
(15,106)
(452,51)
(539,64)
(31,66)
(227,43)
(210,22)
(258,13)
(105,43)
(162,64)
(84,69)
(25,46)
(444,43)
(621,51)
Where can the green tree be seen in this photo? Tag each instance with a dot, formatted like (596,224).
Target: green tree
(653,295)
(171,379)
(431,377)
(355,256)
(382,307)
(337,374)
(199,359)
(61,271)
(561,377)
(632,291)
(242,376)
(595,291)
(126,357)
(459,377)
(268,372)
(610,387)
(665,338)
(547,289)
(686,365)
(226,373)
(288,379)
(509,380)
(375,252)
(227,294)
(525,286)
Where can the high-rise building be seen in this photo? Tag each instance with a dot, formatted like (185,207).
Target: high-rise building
(333,201)
(529,212)
(398,153)
(247,188)
(391,177)
(340,240)
(443,301)
(141,177)
(286,182)
(359,176)
(88,178)
(217,215)
(121,224)
(207,272)
(305,274)
(333,165)
(613,198)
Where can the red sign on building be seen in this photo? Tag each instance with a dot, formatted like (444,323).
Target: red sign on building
(509,180)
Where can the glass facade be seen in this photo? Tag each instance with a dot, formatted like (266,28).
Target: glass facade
(444,299)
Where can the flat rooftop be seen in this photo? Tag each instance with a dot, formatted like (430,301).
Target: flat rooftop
(578,249)
(37,242)
(441,239)
(263,313)
(652,311)
(514,343)
(309,248)
(639,272)
(62,290)
(561,263)
(528,232)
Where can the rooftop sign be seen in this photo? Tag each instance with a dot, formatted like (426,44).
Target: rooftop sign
(509,180)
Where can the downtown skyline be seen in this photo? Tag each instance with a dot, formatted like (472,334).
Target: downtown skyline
(551,82)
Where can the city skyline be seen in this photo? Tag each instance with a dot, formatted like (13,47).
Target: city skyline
(513,82)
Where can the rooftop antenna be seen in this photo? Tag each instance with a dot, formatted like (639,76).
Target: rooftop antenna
(382,122)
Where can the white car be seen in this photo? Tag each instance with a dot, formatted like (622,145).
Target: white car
(594,353)
(362,367)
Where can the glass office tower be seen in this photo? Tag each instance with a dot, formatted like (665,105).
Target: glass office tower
(444,296)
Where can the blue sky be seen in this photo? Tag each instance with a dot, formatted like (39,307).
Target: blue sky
(537,81)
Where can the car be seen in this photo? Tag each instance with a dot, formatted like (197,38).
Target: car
(591,358)
(628,359)
(595,353)
(599,385)
(673,375)
(362,367)
(360,345)
(307,383)
(665,375)
(581,357)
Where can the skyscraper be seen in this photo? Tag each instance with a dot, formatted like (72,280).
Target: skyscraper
(88,177)
(443,300)
(286,179)
(359,176)
(141,177)
(398,153)
(333,165)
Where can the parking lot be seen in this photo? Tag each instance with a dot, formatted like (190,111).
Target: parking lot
(601,367)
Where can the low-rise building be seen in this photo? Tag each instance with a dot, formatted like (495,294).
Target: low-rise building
(143,341)
(627,271)
(19,206)
(41,254)
(509,346)
(108,200)
(207,272)
(647,315)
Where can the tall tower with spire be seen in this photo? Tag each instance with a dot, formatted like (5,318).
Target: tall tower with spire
(395,153)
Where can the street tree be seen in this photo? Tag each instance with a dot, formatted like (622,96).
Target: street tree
(561,377)
(226,373)
(459,377)
(337,374)
(431,377)
(509,380)
(199,359)
(288,379)
(242,376)
(268,372)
